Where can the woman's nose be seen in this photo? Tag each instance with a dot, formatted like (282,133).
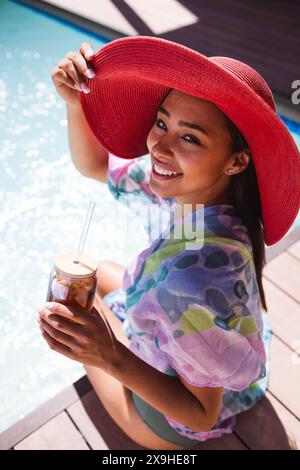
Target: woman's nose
(162,149)
(163,156)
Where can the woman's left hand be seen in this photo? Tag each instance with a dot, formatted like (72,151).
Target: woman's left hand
(89,340)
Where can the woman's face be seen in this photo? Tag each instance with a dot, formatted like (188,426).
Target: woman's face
(190,138)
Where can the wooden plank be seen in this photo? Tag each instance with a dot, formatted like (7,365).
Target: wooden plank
(226,442)
(292,237)
(285,375)
(108,14)
(37,418)
(86,426)
(212,21)
(283,313)
(232,34)
(58,434)
(112,435)
(172,14)
(269,426)
(284,271)
(294,250)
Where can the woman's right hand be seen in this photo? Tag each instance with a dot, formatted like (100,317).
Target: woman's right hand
(69,77)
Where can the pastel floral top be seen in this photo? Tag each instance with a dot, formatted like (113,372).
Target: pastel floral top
(193,305)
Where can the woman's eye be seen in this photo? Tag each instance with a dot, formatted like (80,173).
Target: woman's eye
(159,121)
(193,139)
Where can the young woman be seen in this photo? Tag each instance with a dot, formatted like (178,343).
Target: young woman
(200,135)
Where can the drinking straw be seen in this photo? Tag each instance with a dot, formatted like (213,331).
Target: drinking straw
(80,248)
(85,228)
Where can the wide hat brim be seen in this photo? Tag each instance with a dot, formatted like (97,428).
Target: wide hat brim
(133,76)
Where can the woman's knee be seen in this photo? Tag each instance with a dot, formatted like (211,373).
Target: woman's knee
(109,277)
(113,320)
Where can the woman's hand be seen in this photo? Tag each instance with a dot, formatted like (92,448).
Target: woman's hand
(90,340)
(69,77)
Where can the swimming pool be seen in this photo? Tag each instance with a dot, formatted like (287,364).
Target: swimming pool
(43,200)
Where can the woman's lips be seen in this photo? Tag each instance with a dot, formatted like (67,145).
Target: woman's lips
(165,166)
(164,177)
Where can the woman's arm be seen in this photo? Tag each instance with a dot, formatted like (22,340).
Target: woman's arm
(88,156)
(69,78)
(196,407)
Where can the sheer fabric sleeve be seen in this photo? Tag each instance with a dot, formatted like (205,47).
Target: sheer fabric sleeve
(211,322)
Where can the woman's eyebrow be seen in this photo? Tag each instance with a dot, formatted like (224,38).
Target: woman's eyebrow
(184,123)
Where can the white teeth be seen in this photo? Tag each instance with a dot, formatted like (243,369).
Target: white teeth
(162,171)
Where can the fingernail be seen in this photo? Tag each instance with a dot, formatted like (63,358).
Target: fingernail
(49,305)
(89,53)
(84,87)
(40,308)
(90,73)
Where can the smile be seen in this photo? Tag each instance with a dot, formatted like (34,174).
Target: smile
(161,173)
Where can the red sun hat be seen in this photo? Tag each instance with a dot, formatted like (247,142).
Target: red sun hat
(134,75)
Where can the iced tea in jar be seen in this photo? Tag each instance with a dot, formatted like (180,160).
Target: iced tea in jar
(73,280)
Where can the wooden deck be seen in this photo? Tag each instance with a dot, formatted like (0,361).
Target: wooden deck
(263,34)
(76,419)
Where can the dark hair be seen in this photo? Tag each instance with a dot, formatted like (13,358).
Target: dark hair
(245,196)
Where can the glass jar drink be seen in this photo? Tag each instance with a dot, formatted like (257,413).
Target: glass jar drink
(73,280)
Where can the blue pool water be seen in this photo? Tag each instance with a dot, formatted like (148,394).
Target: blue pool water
(43,203)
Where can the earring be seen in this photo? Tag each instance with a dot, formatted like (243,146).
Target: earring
(230,171)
